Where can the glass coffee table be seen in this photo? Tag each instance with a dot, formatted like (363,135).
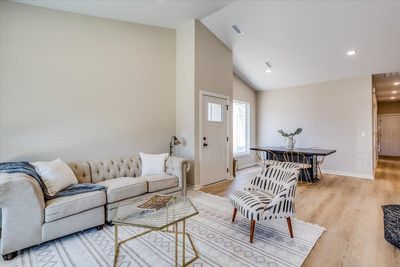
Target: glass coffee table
(177,210)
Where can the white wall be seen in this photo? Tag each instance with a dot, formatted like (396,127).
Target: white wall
(336,115)
(243,92)
(81,87)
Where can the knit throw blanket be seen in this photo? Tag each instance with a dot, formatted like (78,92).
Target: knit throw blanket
(28,169)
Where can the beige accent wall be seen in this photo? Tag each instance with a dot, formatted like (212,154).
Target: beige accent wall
(214,73)
(81,87)
(329,120)
(243,92)
(185,93)
(204,63)
(389,107)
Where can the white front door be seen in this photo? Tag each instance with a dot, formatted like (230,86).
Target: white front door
(389,138)
(214,140)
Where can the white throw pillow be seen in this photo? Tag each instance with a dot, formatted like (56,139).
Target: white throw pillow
(56,175)
(153,164)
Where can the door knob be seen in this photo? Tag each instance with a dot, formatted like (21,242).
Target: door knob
(205,144)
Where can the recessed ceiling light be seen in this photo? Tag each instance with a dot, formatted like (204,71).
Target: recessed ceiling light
(351,52)
(268,70)
(394,92)
(396,83)
(392,97)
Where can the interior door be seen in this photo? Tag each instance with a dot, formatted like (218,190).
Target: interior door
(389,135)
(214,162)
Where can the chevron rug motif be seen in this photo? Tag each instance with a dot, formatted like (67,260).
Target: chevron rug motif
(219,242)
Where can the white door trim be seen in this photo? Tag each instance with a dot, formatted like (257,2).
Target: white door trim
(228,129)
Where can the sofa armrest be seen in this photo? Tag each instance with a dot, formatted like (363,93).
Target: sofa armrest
(22,205)
(178,167)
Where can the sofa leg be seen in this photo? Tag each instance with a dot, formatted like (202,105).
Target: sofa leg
(100,227)
(10,256)
(234,214)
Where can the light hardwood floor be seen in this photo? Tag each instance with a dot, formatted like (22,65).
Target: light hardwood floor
(350,210)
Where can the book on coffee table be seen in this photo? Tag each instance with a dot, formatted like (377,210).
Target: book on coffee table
(155,202)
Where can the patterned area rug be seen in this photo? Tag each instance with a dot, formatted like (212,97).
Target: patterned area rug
(219,242)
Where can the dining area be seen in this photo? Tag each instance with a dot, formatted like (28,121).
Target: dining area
(309,160)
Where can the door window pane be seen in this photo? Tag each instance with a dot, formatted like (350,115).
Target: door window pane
(241,129)
(214,112)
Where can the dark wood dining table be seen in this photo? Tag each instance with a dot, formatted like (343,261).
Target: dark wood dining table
(310,153)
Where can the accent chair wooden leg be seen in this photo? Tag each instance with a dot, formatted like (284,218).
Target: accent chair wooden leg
(100,227)
(252,227)
(10,256)
(234,214)
(289,223)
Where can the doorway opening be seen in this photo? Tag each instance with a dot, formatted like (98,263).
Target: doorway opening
(387,91)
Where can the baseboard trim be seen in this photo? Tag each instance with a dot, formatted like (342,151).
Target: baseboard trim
(247,165)
(194,187)
(351,174)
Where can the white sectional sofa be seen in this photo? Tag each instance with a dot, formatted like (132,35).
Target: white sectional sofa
(28,220)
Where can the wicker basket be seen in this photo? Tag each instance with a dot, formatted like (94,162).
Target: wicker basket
(391,220)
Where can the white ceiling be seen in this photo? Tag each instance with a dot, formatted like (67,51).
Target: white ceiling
(163,13)
(304,41)
(385,88)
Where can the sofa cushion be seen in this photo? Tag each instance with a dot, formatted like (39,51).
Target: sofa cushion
(109,169)
(56,175)
(160,182)
(153,164)
(61,207)
(81,170)
(124,187)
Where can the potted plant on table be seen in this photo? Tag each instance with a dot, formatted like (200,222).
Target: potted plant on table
(290,141)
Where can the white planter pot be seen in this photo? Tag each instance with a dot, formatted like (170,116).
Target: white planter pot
(290,141)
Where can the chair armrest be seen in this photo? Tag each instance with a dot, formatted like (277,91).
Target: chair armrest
(22,205)
(178,167)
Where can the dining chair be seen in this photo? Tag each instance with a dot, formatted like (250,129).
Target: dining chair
(267,157)
(302,162)
(320,161)
(269,196)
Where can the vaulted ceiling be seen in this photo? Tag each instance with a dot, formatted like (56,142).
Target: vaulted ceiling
(303,41)
(163,13)
(306,42)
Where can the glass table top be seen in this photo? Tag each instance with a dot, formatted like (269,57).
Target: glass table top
(177,209)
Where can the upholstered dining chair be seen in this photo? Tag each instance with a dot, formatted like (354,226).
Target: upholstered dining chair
(270,195)
(320,161)
(267,157)
(302,162)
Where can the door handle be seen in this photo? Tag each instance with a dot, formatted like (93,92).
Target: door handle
(205,144)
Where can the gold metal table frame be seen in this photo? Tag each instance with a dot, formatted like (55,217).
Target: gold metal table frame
(175,231)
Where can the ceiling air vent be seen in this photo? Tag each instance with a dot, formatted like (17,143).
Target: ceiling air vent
(237,30)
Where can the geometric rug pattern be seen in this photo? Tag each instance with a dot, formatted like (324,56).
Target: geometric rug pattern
(219,242)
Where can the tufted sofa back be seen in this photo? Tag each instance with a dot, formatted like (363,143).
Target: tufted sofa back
(108,169)
(81,170)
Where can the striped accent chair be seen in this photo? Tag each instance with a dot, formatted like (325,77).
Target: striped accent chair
(270,195)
